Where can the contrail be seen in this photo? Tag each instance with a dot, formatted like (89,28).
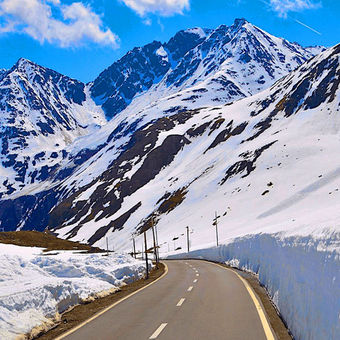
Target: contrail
(312,29)
(297,21)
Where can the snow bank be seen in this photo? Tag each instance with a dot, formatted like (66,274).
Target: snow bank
(35,286)
(300,273)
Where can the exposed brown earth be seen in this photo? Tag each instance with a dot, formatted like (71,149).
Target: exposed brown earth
(43,240)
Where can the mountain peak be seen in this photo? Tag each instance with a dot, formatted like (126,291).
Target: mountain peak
(23,61)
(239,22)
(24,65)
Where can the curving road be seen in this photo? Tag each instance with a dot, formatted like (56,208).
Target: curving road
(194,300)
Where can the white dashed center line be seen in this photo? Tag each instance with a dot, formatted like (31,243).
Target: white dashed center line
(158,331)
(190,288)
(197,274)
(180,302)
(195,281)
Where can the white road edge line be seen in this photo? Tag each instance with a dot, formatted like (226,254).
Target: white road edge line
(190,288)
(195,281)
(180,302)
(158,331)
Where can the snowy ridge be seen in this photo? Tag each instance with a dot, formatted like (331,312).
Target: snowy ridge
(42,113)
(230,62)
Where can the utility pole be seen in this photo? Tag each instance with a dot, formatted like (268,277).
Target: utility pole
(134,247)
(157,242)
(215,224)
(154,242)
(146,256)
(107,246)
(188,242)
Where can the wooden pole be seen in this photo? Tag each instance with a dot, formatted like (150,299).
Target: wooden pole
(188,239)
(216,228)
(134,247)
(157,242)
(154,242)
(146,256)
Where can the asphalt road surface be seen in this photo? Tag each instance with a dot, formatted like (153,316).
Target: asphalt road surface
(194,300)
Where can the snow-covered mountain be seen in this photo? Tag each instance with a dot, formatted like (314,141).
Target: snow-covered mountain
(272,150)
(51,143)
(199,66)
(42,112)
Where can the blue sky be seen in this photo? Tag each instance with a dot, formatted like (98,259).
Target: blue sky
(81,38)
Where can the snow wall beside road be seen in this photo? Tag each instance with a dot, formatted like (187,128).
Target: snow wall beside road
(301,275)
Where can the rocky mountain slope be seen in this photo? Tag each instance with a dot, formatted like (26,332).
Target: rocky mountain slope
(51,141)
(272,155)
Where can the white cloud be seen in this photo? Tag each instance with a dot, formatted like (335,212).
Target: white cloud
(283,7)
(52,21)
(161,7)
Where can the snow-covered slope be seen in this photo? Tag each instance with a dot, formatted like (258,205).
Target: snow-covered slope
(218,157)
(42,112)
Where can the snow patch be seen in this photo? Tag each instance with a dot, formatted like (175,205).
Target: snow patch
(35,287)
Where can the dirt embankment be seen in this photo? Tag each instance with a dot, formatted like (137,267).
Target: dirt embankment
(43,240)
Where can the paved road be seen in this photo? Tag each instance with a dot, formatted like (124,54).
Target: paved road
(195,300)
